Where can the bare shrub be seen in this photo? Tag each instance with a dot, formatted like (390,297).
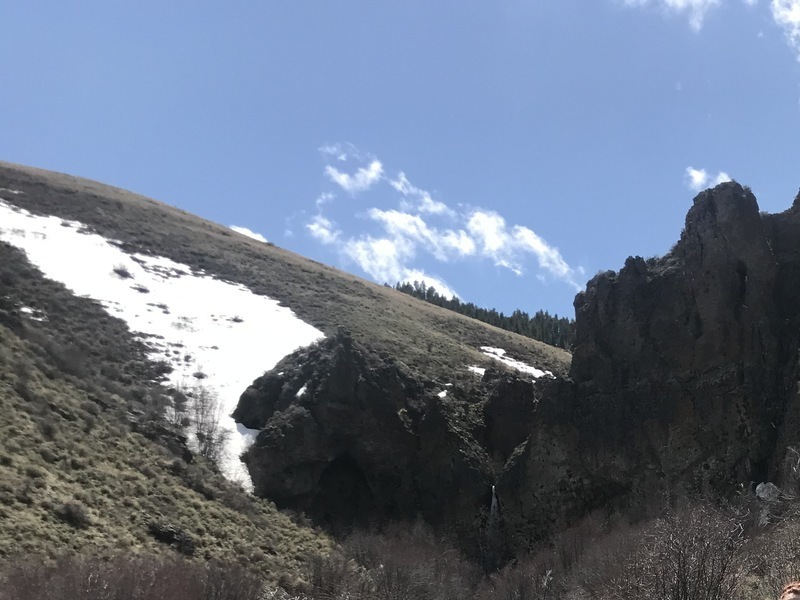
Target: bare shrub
(73,514)
(570,545)
(404,562)
(776,557)
(692,553)
(532,578)
(122,271)
(128,578)
(206,415)
(336,576)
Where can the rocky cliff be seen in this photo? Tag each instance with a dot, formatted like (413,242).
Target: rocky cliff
(684,371)
(352,438)
(684,375)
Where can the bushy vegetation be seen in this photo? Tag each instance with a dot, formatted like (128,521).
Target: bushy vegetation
(550,329)
(90,467)
(127,577)
(696,551)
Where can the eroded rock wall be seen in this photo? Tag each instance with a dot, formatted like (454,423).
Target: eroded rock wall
(683,372)
(353,439)
(684,375)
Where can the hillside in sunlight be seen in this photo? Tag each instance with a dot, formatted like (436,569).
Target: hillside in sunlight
(116,313)
(190,413)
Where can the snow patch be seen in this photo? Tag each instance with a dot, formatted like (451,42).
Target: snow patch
(499,354)
(10,191)
(33,314)
(300,392)
(442,394)
(249,233)
(187,318)
(477,370)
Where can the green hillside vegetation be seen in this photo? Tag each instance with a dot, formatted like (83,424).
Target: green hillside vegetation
(87,463)
(550,329)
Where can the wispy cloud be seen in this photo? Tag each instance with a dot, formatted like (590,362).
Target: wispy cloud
(249,233)
(337,151)
(700,179)
(416,198)
(442,288)
(363,179)
(385,260)
(509,247)
(413,229)
(323,230)
(324,198)
(786,14)
(695,10)
(421,226)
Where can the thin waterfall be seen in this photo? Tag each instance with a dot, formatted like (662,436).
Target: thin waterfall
(493,548)
(494,512)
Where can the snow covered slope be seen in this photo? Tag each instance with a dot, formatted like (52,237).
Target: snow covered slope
(210,331)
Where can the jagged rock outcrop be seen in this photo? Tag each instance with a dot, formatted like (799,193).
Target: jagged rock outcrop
(684,375)
(352,438)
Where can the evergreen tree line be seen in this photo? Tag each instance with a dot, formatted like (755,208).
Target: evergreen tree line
(542,326)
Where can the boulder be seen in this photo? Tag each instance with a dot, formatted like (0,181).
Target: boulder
(351,438)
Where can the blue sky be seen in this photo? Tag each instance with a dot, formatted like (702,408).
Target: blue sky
(508,150)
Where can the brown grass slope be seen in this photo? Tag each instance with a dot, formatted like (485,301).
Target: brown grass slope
(81,472)
(430,340)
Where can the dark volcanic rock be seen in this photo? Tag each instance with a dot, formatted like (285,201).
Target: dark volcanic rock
(351,438)
(682,372)
(684,375)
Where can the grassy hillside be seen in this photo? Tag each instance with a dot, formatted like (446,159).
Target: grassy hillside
(86,464)
(89,466)
(99,498)
(429,339)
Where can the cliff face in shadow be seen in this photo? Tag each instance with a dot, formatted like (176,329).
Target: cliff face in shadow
(683,376)
(352,438)
(683,373)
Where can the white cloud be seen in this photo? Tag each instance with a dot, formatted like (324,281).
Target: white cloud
(413,230)
(424,202)
(548,257)
(786,14)
(323,230)
(380,258)
(363,179)
(441,287)
(507,248)
(249,233)
(334,150)
(385,259)
(410,231)
(696,10)
(700,179)
(459,241)
(697,179)
(722,177)
(324,199)
(490,230)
